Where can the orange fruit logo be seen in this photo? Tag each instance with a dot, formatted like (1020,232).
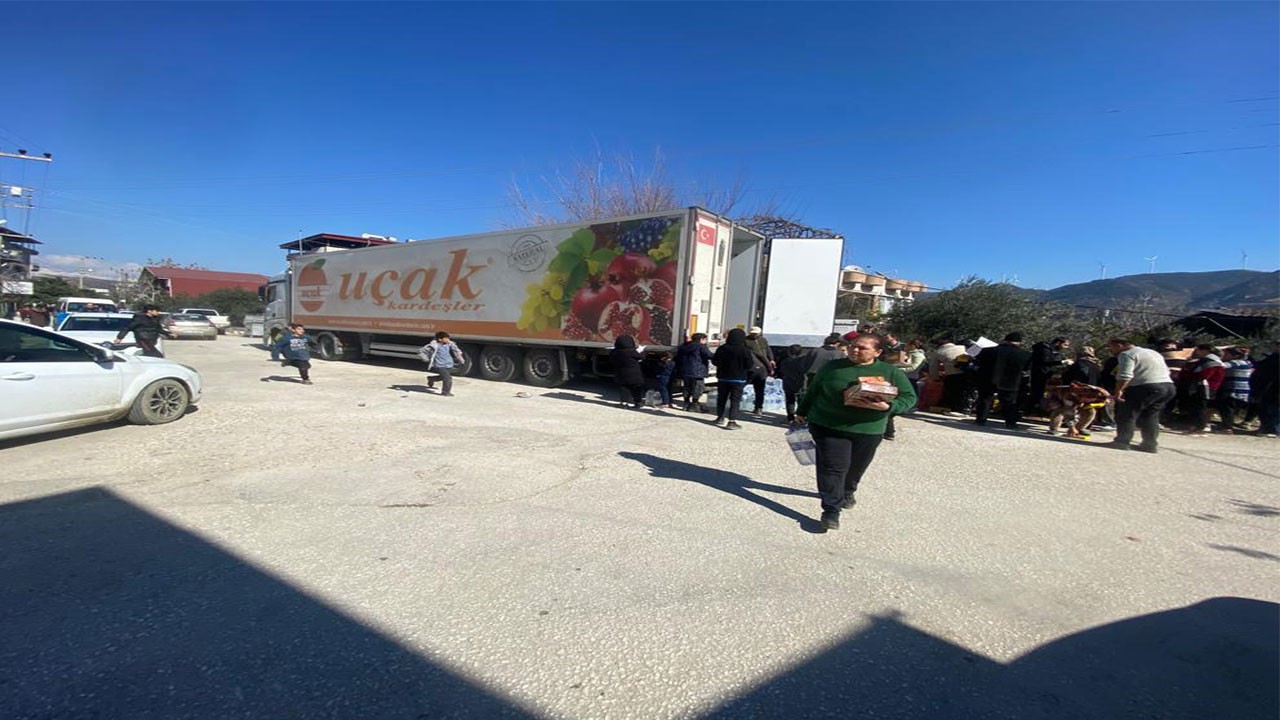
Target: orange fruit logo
(313,286)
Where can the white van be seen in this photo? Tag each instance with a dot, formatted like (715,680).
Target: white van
(68,305)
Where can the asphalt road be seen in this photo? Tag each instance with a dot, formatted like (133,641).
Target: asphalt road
(360,548)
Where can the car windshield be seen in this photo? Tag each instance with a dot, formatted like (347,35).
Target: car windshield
(201,312)
(188,317)
(104,324)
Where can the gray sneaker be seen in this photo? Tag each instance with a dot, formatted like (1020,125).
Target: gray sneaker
(830,521)
(721,422)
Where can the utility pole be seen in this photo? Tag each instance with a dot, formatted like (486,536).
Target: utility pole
(21,196)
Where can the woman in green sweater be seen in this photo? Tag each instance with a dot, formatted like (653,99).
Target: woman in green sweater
(846,435)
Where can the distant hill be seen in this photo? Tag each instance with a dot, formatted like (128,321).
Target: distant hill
(1176,292)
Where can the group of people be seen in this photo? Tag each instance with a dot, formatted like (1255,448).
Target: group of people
(1134,388)
(38,314)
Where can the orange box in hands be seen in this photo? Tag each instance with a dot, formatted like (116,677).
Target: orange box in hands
(869,390)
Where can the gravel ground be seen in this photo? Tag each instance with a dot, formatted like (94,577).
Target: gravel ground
(361,548)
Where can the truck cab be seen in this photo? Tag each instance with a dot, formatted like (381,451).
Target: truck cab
(275,301)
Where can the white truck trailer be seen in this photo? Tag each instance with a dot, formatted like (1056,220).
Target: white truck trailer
(544,303)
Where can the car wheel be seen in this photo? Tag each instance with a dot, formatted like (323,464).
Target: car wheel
(161,402)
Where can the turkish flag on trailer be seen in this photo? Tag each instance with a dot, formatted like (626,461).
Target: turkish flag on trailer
(707,234)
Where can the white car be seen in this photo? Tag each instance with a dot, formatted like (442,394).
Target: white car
(52,382)
(99,328)
(220,321)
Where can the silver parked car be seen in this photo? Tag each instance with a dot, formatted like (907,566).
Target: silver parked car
(190,325)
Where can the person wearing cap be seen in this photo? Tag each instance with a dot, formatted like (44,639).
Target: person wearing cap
(1002,371)
(759,347)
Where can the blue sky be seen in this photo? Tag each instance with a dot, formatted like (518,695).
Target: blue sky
(1034,140)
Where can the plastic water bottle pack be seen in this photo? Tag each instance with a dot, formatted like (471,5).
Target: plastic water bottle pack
(801,444)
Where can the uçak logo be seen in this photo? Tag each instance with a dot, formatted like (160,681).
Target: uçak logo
(313,286)
(418,288)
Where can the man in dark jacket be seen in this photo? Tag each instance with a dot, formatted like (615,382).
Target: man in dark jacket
(794,371)
(831,350)
(759,346)
(1047,358)
(733,363)
(693,364)
(146,329)
(1001,372)
(1264,390)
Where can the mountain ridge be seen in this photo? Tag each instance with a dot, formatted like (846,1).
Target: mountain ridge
(1176,292)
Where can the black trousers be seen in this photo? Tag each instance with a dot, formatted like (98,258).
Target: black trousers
(757,384)
(148,347)
(1231,409)
(693,389)
(953,390)
(1009,409)
(1141,409)
(791,397)
(304,367)
(842,461)
(731,393)
(631,392)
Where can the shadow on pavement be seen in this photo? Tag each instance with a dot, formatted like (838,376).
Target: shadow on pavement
(108,611)
(413,388)
(1214,659)
(996,427)
(732,483)
(1215,461)
(281,378)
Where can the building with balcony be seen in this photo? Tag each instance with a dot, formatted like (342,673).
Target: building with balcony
(863,293)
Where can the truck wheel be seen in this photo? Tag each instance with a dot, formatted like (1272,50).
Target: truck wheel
(499,363)
(469,355)
(330,346)
(160,402)
(542,368)
(327,346)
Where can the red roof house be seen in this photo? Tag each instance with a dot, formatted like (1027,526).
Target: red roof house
(184,281)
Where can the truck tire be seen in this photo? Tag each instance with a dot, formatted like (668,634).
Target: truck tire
(469,354)
(331,346)
(498,362)
(542,367)
(161,402)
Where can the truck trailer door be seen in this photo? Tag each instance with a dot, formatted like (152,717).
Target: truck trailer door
(800,290)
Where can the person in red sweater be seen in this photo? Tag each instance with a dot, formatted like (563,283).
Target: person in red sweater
(1206,375)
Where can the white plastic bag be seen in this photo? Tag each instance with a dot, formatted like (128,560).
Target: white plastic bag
(802,446)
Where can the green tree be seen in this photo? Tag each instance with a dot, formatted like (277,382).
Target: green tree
(47,289)
(235,303)
(977,307)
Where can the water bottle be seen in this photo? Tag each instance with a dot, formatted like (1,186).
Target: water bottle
(801,443)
